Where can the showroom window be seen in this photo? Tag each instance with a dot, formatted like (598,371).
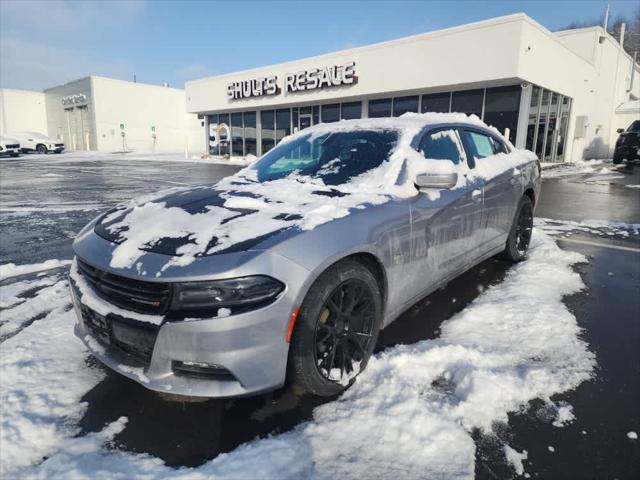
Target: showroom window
(250,133)
(436,102)
(403,105)
(224,148)
(283,123)
(501,107)
(467,101)
(351,110)
(267,119)
(548,121)
(330,113)
(380,108)
(237,135)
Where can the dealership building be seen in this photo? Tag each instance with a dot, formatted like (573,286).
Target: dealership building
(559,94)
(105,114)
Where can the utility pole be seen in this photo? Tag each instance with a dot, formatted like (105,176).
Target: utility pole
(606,17)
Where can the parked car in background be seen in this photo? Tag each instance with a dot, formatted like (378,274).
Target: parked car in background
(628,144)
(9,146)
(287,270)
(37,142)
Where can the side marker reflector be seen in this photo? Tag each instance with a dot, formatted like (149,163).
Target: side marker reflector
(292,323)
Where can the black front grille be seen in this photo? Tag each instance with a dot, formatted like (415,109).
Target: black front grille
(14,145)
(137,295)
(59,145)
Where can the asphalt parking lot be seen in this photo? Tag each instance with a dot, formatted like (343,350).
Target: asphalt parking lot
(46,200)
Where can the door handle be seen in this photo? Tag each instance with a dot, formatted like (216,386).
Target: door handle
(476,196)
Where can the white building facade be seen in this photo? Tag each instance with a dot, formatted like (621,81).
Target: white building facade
(553,93)
(98,113)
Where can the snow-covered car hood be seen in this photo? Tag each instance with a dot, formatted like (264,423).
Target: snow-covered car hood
(236,214)
(8,141)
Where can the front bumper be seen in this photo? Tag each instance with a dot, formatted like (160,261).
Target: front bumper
(250,346)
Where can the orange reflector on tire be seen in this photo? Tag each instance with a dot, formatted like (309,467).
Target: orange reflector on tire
(292,323)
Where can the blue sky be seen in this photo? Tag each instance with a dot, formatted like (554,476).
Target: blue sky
(48,42)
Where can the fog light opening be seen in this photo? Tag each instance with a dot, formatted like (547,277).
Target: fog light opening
(201,370)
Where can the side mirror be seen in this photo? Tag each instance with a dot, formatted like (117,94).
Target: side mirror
(620,130)
(437,180)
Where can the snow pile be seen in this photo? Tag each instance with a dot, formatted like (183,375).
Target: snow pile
(410,414)
(43,375)
(295,201)
(9,270)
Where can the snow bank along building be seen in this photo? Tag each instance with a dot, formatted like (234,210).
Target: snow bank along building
(98,113)
(552,92)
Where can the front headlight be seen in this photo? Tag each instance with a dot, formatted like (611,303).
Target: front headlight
(236,294)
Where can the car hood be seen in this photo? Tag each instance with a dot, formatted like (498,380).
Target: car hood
(237,214)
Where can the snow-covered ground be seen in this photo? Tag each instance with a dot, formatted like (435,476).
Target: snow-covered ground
(411,414)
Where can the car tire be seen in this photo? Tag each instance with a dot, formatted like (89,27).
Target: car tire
(42,149)
(310,361)
(517,245)
(617,160)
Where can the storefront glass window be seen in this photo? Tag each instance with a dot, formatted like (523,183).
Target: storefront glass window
(237,135)
(213,124)
(330,113)
(351,110)
(283,123)
(403,105)
(267,118)
(562,131)
(380,108)
(316,114)
(552,126)
(542,123)
(436,102)
(294,120)
(224,140)
(250,133)
(467,101)
(533,118)
(501,107)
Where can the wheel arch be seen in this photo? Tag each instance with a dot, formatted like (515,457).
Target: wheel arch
(531,194)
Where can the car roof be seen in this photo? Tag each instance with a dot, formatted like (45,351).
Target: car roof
(409,123)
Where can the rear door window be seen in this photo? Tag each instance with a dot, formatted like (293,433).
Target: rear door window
(442,145)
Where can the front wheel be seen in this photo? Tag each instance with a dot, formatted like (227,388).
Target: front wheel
(336,330)
(517,245)
(41,148)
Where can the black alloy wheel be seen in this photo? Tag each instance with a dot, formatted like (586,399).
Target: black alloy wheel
(336,329)
(519,238)
(40,148)
(524,227)
(344,330)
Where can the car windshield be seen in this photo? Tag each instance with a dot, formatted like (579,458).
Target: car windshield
(634,127)
(334,157)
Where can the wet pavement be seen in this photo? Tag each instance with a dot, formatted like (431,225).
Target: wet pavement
(46,200)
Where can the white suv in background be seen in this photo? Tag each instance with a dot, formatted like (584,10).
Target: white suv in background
(9,146)
(37,142)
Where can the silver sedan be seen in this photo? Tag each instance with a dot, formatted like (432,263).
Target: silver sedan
(287,270)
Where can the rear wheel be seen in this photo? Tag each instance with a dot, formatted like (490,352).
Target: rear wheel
(40,148)
(519,238)
(336,330)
